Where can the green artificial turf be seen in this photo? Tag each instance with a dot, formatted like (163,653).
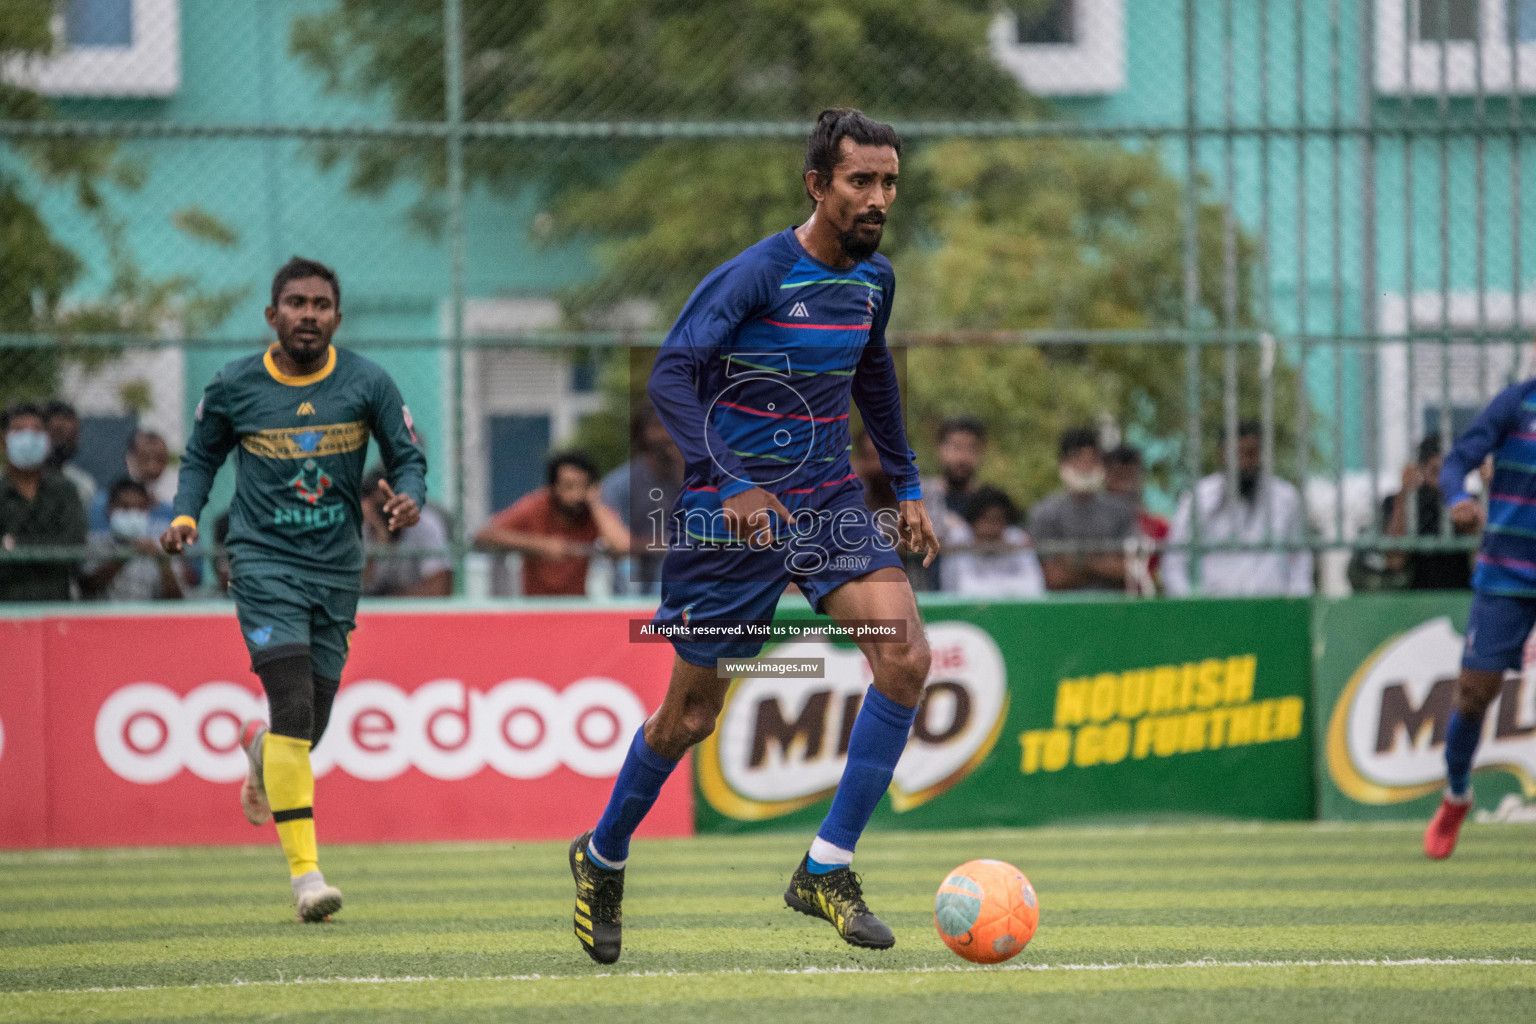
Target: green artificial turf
(1177,923)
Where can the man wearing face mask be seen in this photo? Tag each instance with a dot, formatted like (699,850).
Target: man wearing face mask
(38,508)
(64,435)
(146,460)
(1263,509)
(1082,513)
(129,564)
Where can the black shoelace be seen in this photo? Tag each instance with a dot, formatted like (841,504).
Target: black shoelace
(607,896)
(845,885)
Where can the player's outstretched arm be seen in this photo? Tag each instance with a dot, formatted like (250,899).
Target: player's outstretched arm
(732,294)
(877,393)
(1487,432)
(213,438)
(405,465)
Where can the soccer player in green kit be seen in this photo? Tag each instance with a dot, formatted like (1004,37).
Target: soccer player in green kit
(298,417)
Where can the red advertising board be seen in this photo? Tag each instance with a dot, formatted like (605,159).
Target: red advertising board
(488,725)
(23,794)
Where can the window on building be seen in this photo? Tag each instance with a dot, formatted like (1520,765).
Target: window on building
(98,23)
(1439,21)
(106,49)
(1460,46)
(1062,47)
(1046,22)
(1522,20)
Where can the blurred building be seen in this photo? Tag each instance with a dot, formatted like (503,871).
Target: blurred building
(1363,231)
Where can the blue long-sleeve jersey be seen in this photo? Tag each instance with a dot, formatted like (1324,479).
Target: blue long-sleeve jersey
(754,379)
(1506,561)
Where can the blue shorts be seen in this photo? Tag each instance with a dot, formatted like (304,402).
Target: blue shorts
(715,582)
(1496,632)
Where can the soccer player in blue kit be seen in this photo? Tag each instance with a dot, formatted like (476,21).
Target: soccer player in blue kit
(753,383)
(1503,584)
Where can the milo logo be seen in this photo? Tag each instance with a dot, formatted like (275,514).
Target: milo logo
(1386,739)
(781,744)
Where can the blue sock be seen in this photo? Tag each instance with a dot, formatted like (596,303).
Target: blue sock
(1461,738)
(875,745)
(634,791)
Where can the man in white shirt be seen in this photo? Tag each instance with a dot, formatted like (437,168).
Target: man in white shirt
(1263,510)
(995,559)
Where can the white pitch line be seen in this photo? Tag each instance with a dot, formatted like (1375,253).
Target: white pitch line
(803,971)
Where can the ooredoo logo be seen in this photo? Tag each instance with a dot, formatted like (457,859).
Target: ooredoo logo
(523,728)
(781,744)
(1386,738)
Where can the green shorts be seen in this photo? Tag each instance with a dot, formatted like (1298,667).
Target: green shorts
(283,616)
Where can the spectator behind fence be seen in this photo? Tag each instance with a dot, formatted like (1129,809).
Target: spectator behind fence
(556,527)
(1125,475)
(146,460)
(962,447)
(1263,507)
(127,563)
(642,491)
(63,426)
(1000,561)
(1424,570)
(429,574)
(1081,512)
(38,507)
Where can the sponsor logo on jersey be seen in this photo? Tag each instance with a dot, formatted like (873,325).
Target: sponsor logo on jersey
(307,518)
(1386,737)
(306,409)
(799,310)
(261,635)
(198,413)
(410,424)
(523,728)
(305,442)
(782,743)
(311,483)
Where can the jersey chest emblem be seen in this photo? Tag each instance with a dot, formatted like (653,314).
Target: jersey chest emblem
(306,409)
(799,310)
(311,483)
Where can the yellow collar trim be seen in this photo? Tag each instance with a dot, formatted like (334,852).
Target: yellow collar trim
(298,382)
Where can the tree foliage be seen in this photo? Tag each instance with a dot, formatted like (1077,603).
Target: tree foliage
(38,270)
(987,235)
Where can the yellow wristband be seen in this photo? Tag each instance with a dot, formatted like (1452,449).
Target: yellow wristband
(184,521)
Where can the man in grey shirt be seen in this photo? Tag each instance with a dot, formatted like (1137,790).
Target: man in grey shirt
(428,573)
(1083,512)
(642,491)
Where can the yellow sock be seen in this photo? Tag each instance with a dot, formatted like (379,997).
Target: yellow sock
(291,792)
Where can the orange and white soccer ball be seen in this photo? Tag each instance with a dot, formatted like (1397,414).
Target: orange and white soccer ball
(986,911)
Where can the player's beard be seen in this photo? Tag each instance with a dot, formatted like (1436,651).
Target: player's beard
(857,245)
(305,351)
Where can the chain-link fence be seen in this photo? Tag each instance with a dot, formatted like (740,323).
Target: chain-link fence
(1159,220)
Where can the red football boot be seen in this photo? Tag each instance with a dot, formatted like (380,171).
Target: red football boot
(1440,837)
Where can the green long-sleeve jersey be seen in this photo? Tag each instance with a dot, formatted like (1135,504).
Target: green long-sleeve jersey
(300,444)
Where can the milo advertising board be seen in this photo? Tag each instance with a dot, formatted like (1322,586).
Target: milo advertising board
(1386,674)
(1040,712)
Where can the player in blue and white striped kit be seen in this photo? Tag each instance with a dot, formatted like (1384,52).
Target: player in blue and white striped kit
(753,383)
(1503,583)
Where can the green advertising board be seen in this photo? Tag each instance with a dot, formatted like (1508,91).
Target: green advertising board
(1040,712)
(1385,674)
